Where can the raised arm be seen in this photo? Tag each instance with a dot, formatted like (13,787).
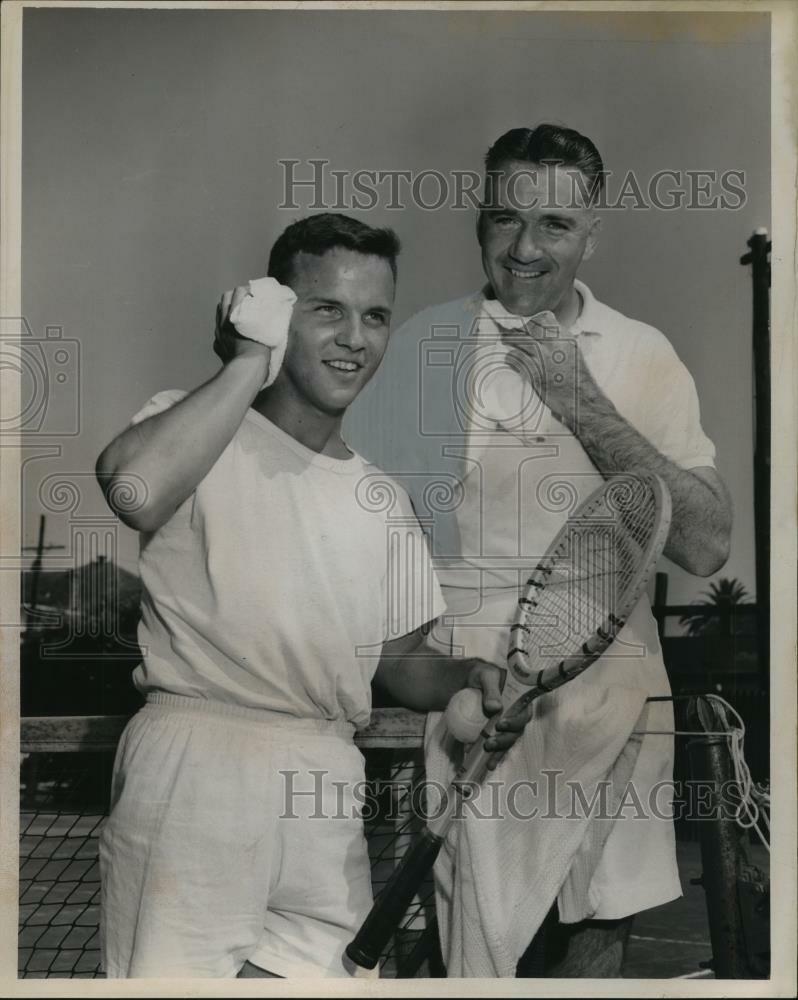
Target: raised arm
(171,452)
(701,520)
(702,511)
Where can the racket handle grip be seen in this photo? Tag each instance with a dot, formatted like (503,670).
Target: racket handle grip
(390,906)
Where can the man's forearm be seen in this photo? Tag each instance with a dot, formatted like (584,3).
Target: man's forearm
(165,457)
(422,679)
(701,522)
(425,681)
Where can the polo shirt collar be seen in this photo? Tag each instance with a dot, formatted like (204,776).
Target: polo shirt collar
(586,322)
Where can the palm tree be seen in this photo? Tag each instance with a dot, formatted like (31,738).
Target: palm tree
(723,595)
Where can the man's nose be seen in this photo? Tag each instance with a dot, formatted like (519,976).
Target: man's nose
(525,248)
(350,334)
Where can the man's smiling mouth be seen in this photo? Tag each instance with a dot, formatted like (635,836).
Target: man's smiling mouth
(525,275)
(344,366)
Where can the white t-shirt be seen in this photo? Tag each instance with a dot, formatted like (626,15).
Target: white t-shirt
(275,584)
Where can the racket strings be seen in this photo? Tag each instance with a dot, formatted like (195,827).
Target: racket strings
(570,614)
(589,579)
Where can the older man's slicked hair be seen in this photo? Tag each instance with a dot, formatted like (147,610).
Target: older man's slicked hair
(552,144)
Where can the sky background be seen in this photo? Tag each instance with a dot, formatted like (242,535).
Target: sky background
(151,183)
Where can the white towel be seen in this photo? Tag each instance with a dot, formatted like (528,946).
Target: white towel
(499,872)
(265,315)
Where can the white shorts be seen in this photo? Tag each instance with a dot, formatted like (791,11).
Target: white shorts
(234,836)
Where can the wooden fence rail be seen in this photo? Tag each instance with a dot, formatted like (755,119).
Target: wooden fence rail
(390,729)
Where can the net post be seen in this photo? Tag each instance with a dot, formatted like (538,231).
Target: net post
(711,763)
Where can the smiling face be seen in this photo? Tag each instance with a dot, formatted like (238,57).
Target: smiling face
(534,234)
(339,327)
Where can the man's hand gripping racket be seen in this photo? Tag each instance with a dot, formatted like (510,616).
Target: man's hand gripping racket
(573,606)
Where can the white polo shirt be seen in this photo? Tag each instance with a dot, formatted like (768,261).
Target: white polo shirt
(523,469)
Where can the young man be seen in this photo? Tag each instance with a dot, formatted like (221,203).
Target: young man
(518,417)
(273,594)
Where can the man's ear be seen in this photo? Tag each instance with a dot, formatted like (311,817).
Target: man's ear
(592,237)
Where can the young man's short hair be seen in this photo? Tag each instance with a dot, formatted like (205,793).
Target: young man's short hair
(320,233)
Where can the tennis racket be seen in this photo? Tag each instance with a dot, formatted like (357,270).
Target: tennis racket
(573,606)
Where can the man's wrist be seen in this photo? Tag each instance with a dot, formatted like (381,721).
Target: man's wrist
(472,668)
(458,674)
(250,366)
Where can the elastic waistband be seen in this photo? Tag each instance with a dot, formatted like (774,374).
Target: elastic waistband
(260,716)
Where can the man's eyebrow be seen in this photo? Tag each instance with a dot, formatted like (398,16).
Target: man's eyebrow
(323,300)
(560,216)
(563,213)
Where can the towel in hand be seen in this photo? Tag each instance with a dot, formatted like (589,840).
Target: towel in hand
(503,865)
(265,315)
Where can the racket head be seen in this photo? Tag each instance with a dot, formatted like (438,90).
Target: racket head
(579,595)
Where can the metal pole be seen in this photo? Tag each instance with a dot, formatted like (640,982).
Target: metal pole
(660,601)
(36,568)
(758,258)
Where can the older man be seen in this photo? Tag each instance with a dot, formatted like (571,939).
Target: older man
(511,417)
